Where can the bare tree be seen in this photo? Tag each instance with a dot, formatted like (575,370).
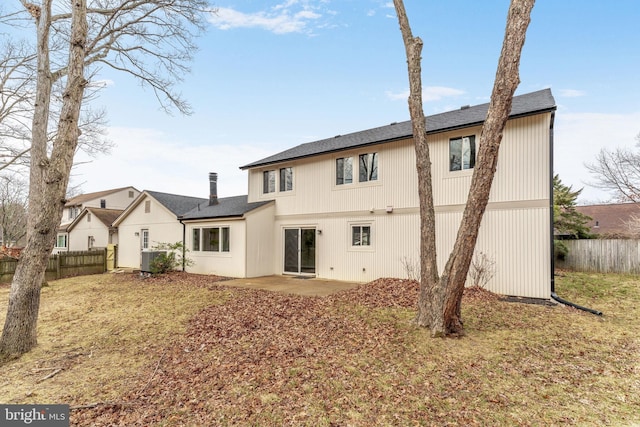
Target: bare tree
(13,209)
(618,171)
(149,39)
(440,298)
(17,74)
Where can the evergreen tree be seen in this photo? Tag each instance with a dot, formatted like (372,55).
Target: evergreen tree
(566,219)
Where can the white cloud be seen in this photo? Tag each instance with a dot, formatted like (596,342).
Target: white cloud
(287,17)
(150,160)
(578,137)
(429,93)
(571,93)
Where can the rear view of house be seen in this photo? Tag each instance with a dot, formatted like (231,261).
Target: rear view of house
(347,207)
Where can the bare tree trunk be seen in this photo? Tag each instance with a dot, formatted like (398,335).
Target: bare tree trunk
(439,303)
(428,256)
(48,180)
(506,82)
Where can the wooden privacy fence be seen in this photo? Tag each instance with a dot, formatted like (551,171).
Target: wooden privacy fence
(603,256)
(63,264)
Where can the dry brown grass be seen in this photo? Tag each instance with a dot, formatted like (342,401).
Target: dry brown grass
(259,358)
(99,331)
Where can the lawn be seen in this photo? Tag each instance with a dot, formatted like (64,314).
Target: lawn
(184,350)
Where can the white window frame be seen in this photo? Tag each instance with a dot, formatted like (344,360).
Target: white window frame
(269,181)
(221,247)
(286,184)
(467,141)
(144,239)
(66,240)
(344,170)
(370,246)
(372,162)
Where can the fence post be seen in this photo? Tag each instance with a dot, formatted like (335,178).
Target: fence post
(58,265)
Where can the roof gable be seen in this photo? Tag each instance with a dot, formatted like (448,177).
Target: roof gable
(105,216)
(523,105)
(173,203)
(83,198)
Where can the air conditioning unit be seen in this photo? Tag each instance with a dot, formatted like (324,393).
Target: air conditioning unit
(147,258)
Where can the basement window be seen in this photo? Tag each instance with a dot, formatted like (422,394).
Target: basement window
(462,153)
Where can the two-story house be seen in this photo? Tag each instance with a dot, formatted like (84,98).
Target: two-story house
(347,207)
(118,198)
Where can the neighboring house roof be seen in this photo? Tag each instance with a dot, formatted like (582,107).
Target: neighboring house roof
(82,198)
(174,203)
(612,219)
(523,105)
(106,216)
(226,207)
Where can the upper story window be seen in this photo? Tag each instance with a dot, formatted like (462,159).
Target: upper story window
(73,212)
(130,194)
(269,181)
(344,170)
(462,153)
(88,217)
(147,206)
(368,167)
(286,179)
(103,203)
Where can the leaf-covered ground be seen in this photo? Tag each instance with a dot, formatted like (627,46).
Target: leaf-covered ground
(198,353)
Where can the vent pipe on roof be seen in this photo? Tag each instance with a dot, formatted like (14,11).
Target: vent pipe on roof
(213,188)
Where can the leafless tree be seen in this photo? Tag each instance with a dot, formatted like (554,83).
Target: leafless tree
(440,298)
(13,209)
(150,39)
(618,171)
(17,74)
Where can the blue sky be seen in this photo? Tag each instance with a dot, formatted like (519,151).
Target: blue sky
(274,74)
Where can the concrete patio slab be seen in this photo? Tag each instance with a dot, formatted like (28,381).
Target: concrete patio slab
(293,285)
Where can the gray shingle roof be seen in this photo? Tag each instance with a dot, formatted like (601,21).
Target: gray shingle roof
(177,204)
(523,105)
(227,207)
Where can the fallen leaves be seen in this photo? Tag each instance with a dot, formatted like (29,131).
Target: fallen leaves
(354,358)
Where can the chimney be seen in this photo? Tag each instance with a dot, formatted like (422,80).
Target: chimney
(213,188)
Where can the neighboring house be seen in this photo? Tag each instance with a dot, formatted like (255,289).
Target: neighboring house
(118,198)
(151,219)
(93,229)
(614,221)
(347,207)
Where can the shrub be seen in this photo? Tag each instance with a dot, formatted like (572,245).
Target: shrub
(173,258)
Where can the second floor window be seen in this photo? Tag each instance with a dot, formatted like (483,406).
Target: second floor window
(103,203)
(344,170)
(368,167)
(462,153)
(73,212)
(269,182)
(286,179)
